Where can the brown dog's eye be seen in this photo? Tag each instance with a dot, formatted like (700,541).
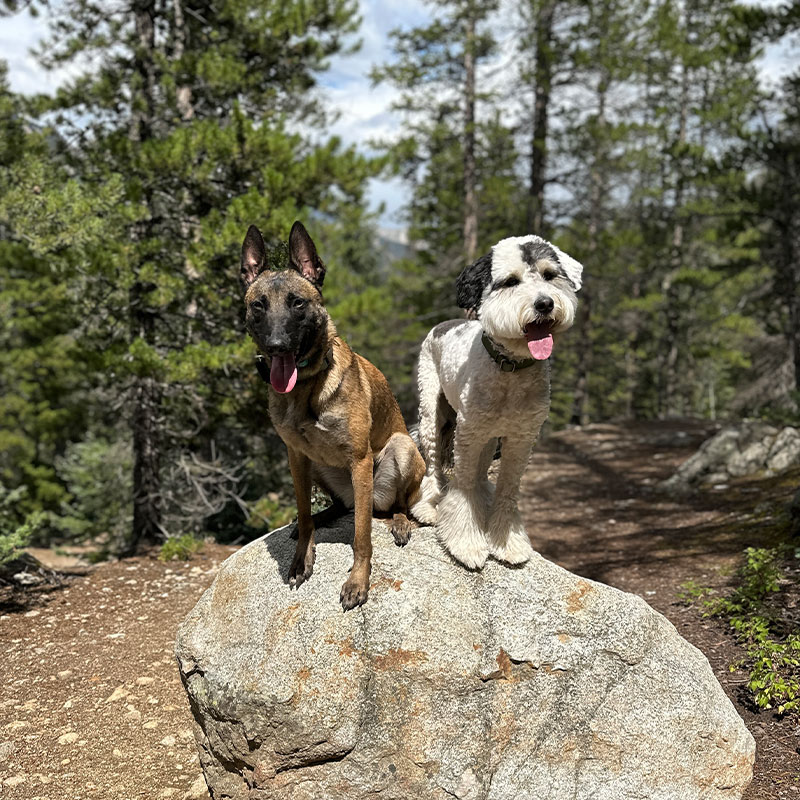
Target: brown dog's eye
(299,302)
(259,307)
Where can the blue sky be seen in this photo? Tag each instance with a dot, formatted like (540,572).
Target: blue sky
(364,111)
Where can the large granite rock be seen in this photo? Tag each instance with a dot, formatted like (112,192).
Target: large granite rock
(508,683)
(744,449)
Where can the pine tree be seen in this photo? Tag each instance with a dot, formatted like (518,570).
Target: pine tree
(437,70)
(458,156)
(705,98)
(189,111)
(44,383)
(773,202)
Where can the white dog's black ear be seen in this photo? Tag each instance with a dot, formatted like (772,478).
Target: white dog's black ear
(573,269)
(472,282)
(303,255)
(254,257)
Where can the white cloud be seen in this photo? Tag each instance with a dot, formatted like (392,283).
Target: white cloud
(364,111)
(778,61)
(18,34)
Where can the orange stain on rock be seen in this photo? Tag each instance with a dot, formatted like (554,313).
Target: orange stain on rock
(304,674)
(575,599)
(386,582)
(504,671)
(345,646)
(397,657)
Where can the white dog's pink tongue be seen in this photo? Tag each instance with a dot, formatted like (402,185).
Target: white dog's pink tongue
(540,341)
(283,373)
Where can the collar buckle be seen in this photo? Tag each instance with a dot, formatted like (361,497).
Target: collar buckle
(506,365)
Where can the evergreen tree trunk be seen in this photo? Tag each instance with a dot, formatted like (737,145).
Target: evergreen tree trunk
(543,76)
(146,390)
(789,270)
(597,190)
(673,404)
(183,93)
(145,424)
(470,191)
(786,220)
(794,304)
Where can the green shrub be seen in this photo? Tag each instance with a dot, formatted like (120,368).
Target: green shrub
(180,548)
(270,511)
(773,654)
(775,672)
(15,529)
(98,475)
(691,591)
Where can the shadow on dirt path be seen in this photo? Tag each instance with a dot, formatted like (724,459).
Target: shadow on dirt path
(590,502)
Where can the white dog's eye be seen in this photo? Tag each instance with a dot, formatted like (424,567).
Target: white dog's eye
(511,280)
(549,274)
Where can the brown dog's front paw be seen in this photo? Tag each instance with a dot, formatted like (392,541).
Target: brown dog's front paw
(302,567)
(354,593)
(401,529)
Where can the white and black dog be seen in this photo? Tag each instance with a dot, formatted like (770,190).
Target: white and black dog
(491,378)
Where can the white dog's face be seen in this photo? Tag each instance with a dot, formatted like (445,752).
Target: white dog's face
(523,293)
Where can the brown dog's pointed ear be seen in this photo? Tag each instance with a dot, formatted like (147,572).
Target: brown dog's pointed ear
(254,257)
(303,255)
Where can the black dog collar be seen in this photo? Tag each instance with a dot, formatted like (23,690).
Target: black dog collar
(505,363)
(262,365)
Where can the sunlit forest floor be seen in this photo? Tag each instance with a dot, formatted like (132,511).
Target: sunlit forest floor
(92,707)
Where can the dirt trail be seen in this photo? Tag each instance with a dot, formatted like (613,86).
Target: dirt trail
(90,701)
(91,705)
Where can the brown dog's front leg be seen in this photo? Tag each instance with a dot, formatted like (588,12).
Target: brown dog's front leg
(303,563)
(356,587)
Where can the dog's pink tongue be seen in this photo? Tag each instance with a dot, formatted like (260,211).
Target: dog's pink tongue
(540,341)
(283,373)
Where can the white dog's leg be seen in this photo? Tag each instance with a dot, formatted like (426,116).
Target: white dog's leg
(459,524)
(508,540)
(429,438)
(484,488)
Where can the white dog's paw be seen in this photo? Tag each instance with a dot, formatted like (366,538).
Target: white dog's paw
(424,512)
(430,490)
(459,530)
(508,539)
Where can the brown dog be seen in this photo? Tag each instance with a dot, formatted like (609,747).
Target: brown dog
(333,409)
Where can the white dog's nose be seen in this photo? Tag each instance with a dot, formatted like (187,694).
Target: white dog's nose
(544,305)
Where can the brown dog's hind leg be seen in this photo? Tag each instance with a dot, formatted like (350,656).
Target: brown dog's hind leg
(401,528)
(401,524)
(303,563)
(356,587)
(398,473)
